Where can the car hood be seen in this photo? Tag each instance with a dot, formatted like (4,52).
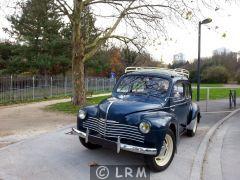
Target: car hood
(118,108)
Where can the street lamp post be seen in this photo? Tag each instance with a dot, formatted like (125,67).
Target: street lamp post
(205,21)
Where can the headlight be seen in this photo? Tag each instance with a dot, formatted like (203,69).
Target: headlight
(145,127)
(82,114)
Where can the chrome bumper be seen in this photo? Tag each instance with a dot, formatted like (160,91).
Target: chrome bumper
(120,146)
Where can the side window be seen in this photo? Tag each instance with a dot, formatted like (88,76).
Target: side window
(187,91)
(178,92)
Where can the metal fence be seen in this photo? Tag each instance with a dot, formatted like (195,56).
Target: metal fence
(210,96)
(25,88)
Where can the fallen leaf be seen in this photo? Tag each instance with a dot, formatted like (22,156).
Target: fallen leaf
(91,164)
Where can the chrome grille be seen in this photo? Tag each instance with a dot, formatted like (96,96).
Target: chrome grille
(113,129)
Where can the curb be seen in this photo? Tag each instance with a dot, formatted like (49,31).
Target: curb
(197,167)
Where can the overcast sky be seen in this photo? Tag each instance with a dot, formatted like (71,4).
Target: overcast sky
(184,38)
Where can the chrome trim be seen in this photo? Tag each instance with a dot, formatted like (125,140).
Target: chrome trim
(120,146)
(140,150)
(116,130)
(113,129)
(87,134)
(125,125)
(124,136)
(111,102)
(105,125)
(77,133)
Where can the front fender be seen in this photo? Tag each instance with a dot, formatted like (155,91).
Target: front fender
(160,122)
(159,119)
(91,111)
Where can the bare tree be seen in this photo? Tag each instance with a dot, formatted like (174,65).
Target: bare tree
(145,17)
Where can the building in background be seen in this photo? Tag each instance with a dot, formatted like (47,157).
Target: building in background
(238,56)
(179,58)
(221,50)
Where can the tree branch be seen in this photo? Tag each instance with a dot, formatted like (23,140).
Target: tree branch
(100,40)
(63,8)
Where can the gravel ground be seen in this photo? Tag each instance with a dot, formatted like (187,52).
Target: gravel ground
(19,122)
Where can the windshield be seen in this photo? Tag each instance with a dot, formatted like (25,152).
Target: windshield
(143,85)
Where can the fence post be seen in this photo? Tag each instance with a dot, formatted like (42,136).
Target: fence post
(87,85)
(103,84)
(11,87)
(51,90)
(65,86)
(33,87)
(230,99)
(208,92)
(96,85)
(235,98)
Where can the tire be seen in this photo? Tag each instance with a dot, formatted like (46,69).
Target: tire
(192,132)
(89,145)
(156,164)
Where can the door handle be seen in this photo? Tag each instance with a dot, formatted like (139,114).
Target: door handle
(172,109)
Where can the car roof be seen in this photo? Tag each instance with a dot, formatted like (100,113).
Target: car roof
(159,73)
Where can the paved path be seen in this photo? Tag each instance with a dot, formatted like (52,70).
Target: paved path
(18,122)
(222,160)
(59,156)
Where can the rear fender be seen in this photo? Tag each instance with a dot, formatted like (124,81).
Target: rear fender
(194,115)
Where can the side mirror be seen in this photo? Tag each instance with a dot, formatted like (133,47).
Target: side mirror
(176,95)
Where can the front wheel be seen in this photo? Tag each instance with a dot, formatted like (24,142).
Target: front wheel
(89,145)
(163,160)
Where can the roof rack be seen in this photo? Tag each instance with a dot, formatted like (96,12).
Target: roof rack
(179,71)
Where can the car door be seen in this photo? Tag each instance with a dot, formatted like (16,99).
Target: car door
(188,97)
(179,105)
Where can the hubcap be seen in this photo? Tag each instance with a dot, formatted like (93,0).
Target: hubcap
(166,152)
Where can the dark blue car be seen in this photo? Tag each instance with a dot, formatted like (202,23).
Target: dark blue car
(148,111)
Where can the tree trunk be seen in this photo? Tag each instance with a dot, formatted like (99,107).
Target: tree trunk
(79,95)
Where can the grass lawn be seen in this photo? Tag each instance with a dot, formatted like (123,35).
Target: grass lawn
(214,93)
(68,107)
(12,102)
(208,85)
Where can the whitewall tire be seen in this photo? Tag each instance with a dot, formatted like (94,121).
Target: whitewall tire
(163,160)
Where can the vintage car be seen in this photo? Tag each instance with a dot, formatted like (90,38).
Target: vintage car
(148,111)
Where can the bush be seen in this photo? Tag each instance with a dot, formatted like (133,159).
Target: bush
(237,77)
(215,74)
(193,76)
